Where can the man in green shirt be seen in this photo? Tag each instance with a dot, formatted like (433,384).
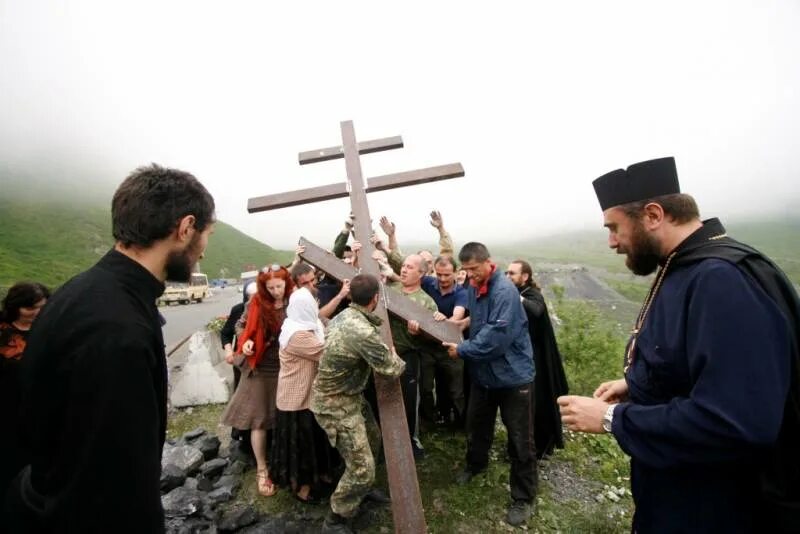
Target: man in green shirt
(409,343)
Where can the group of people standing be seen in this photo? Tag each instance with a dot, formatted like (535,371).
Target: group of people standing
(708,409)
(281,352)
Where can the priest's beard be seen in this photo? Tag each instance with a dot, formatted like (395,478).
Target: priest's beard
(179,263)
(644,252)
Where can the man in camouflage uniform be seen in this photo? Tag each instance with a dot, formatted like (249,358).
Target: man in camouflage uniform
(353,347)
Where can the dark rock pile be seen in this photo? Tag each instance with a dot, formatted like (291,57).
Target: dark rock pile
(196,478)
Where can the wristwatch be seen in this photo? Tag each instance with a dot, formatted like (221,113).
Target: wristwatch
(608,418)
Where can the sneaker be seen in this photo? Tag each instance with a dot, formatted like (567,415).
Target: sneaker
(518,513)
(419,452)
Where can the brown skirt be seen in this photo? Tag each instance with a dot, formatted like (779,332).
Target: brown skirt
(252,406)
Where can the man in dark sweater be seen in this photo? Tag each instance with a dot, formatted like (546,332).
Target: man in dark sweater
(94,378)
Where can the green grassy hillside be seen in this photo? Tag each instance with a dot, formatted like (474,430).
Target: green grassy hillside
(778,239)
(51,241)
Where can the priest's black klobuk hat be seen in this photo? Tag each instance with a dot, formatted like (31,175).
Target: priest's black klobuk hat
(641,181)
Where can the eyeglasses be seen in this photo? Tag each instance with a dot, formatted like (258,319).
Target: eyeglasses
(510,272)
(274,268)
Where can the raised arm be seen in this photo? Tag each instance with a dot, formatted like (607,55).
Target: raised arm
(341,238)
(445,241)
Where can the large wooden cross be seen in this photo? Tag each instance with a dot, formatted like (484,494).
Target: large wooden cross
(406,502)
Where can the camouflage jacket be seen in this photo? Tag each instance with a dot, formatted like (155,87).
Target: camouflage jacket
(353,347)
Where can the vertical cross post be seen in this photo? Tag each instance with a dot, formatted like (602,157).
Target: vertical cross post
(401,469)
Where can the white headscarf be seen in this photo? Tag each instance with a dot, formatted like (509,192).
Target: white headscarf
(302,314)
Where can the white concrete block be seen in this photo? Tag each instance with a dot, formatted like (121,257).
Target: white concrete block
(201,379)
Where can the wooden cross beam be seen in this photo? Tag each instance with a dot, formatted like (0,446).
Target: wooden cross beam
(406,502)
(397,303)
(337,152)
(339,190)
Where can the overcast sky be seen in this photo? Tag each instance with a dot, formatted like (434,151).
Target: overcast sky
(535,99)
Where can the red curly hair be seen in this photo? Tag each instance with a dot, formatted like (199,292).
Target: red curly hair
(269,316)
(263,320)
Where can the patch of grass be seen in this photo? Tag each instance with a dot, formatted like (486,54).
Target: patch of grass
(206,417)
(633,290)
(592,349)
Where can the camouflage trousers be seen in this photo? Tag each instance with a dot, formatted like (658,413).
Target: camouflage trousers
(351,434)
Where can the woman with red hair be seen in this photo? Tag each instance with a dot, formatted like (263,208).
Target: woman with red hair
(252,406)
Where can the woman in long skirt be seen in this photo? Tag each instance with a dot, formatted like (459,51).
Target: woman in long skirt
(252,406)
(300,456)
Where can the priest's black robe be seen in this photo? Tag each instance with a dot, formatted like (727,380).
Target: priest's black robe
(550,381)
(711,426)
(94,385)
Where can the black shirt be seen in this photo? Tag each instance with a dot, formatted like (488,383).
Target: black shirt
(94,386)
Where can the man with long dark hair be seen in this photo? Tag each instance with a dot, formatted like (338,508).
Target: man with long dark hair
(94,376)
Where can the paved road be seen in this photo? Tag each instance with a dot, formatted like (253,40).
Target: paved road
(184,320)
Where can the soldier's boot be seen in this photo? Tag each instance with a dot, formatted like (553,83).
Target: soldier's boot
(377,496)
(335,524)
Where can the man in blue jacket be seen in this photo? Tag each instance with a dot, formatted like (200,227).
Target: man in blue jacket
(499,356)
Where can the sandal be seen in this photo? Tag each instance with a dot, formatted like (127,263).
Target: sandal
(265,486)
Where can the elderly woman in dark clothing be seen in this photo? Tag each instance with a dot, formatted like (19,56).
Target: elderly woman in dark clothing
(550,381)
(20,307)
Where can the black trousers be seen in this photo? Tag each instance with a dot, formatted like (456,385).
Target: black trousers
(446,375)
(516,413)
(409,383)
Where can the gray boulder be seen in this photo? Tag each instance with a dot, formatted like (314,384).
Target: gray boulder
(184,457)
(171,478)
(204,483)
(237,519)
(236,468)
(220,495)
(232,481)
(208,445)
(213,468)
(193,435)
(182,502)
